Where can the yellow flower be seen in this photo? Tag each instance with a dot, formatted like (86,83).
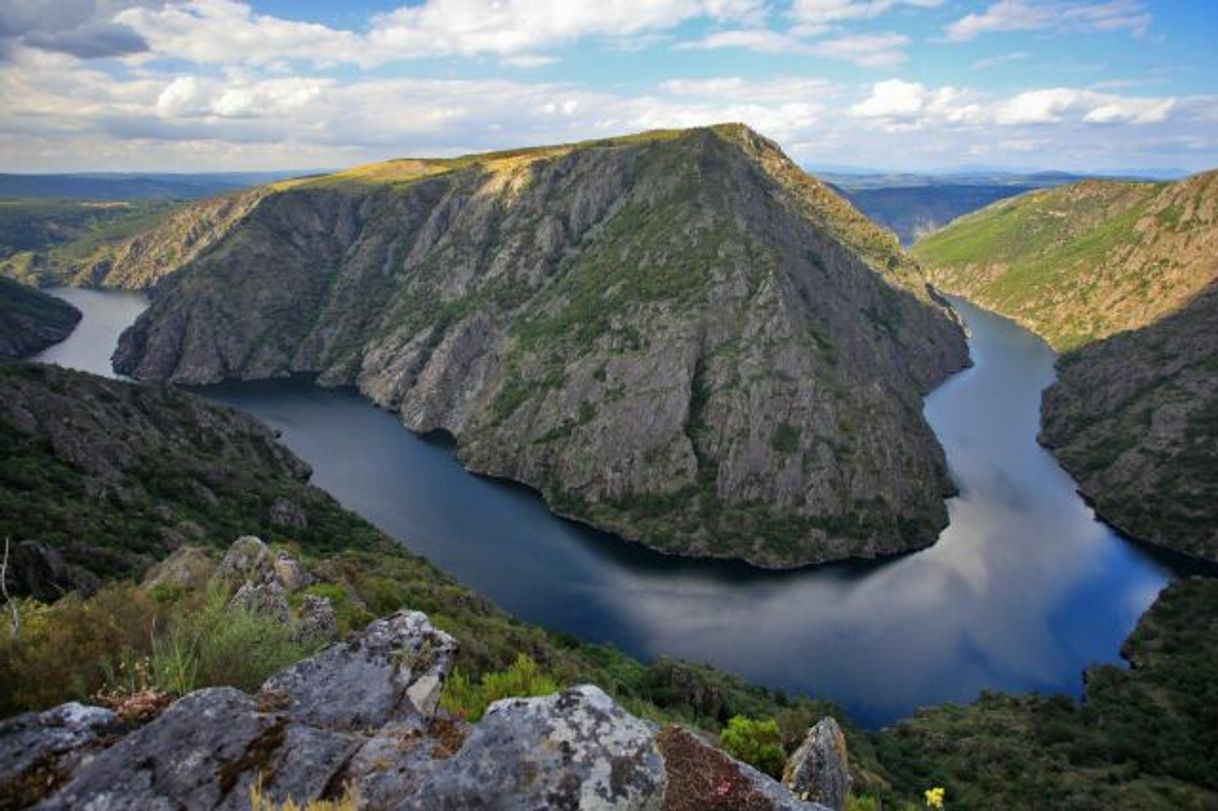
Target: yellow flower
(934,797)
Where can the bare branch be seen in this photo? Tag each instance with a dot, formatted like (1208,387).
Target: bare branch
(15,621)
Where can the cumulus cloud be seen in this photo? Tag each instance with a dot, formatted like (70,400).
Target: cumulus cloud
(902,102)
(230,32)
(1030,15)
(1048,106)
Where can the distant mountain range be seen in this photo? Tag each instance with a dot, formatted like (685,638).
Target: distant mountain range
(135,186)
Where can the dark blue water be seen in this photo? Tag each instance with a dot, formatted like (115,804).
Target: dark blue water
(1023,590)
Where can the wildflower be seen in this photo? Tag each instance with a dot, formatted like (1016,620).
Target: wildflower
(934,797)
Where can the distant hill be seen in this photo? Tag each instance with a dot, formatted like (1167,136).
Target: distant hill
(1084,261)
(121,186)
(911,205)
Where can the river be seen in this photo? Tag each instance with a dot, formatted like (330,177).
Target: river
(1023,590)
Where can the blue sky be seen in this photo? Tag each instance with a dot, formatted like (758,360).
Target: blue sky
(917,85)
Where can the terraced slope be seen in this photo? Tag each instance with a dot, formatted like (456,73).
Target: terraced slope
(1081,262)
(677,336)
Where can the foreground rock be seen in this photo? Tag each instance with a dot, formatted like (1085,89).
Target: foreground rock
(361,716)
(820,769)
(30,320)
(679,336)
(40,750)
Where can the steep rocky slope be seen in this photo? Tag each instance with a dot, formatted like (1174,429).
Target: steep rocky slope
(1084,261)
(677,336)
(1124,275)
(1134,418)
(30,320)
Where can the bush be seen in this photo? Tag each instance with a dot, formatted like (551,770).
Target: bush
(463,698)
(223,644)
(756,742)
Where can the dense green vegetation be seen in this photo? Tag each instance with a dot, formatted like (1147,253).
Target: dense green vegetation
(31,320)
(1146,737)
(38,233)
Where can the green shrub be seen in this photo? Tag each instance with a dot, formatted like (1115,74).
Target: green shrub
(463,698)
(756,742)
(223,644)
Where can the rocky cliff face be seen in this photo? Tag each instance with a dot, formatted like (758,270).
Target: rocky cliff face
(1085,261)
(1134,418)
(30,320)
(679,336)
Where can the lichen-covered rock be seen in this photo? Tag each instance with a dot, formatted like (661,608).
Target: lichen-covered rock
(701,776)
(575,749)
(394,669)
(39,751)
(316,621)
(204,752)
(266,597)
(820,768)
(248,560)
(289,571)
(189,568)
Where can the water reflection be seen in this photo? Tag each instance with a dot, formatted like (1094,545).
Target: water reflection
(105,314)
(1021,592)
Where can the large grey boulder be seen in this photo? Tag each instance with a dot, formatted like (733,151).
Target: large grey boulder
(574,749)
(820,768)
(206,751)
(248,560)
(395,668)
(39,751)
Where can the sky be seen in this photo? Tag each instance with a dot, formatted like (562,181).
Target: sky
(898,85)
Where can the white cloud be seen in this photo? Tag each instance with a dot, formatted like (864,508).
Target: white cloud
(865,50)
(230,32)
(527,60)
(912,103)
(735,88)
(1049,106)
(1031,15)
(819,12)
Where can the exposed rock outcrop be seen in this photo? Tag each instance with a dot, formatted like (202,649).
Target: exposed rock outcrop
(820,769)
(40,750)
(30,320)
(679,337)
(361,716)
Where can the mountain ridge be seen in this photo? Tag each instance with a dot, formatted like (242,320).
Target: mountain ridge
(645,329)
